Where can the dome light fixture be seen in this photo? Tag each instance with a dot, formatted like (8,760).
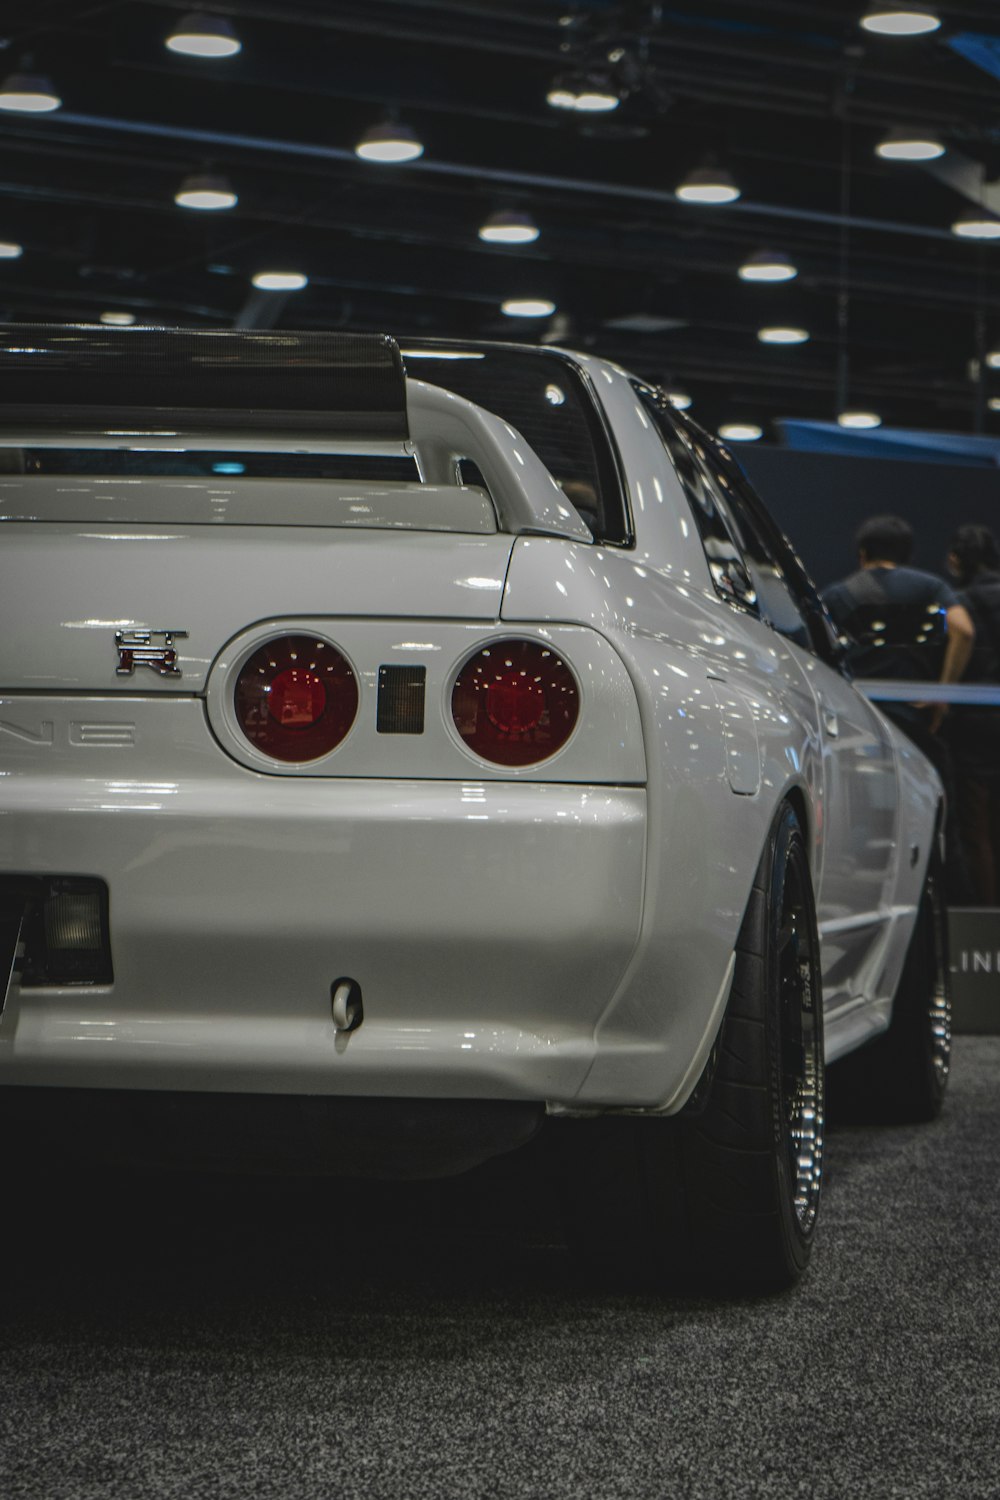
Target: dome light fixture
(861,420)
(977,228)
(768,265)
(280,281)
(28,94)
(909,145)
(10,250)
(740,432)
(509,227)
(708,184)
(783,335)
(118,319)
(207,192)
(201,35)
(901,20)
(389,142)
(679,399)
(527,307)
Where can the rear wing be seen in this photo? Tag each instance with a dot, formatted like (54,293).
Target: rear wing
(79,386)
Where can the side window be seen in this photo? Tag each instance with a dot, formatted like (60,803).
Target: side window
(783,603)
(726,564)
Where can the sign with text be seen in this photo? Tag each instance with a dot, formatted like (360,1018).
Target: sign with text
(974,936)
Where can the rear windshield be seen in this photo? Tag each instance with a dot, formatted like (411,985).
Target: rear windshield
(543,395)
(197,463)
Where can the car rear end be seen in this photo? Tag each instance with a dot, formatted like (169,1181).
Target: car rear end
(284,807)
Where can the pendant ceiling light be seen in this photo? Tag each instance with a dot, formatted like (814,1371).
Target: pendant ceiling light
(862,420)
(527,307)
(910,145)
(679,399)
(587,93)
(708,184)
(783,335)
(509,227)
(118,319)
(901,20)
(740,432)
(768,265)
(10,250)
(280,281)
(201,35)
(28,94)
(206,191)
(977,227)
(389,142)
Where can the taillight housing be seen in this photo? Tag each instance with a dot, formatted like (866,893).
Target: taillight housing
(515,703)
(296,698)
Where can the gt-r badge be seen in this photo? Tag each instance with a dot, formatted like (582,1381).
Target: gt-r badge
(136,648)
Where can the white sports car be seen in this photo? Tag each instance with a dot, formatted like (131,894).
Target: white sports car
(419,743)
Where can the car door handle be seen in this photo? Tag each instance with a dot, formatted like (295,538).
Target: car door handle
(830,722)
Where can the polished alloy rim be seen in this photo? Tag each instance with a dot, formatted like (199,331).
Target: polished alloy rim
(802,1061)
(939,998)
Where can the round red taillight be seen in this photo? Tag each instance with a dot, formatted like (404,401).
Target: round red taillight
(296,698)
(515,703)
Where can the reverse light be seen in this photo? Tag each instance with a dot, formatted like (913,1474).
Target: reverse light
(515,703)
(296,698)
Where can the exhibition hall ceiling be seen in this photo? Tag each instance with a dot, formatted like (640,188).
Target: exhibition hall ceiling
(788,100)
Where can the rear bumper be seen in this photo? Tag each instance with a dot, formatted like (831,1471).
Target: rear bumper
(488,925)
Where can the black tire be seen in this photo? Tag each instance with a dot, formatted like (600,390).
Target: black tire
(902,1076)
(726,1199)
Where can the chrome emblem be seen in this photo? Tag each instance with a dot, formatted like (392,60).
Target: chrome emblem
(136,648)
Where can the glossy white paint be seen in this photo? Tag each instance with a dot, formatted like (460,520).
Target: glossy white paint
(563,933)
(246,502)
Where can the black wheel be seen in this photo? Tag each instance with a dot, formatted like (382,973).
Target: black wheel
(902,1076)
(727,1198)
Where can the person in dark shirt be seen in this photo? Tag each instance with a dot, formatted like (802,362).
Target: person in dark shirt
(910,626)
(974,562)
(901,623)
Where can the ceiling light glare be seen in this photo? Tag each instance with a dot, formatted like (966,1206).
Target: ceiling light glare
(206,193)
(680,399)
(768,265)
(118,319)
(783,335)
(10,250)
(527,307)
(280,281)
(708,185)
(28,94)
(977,229)
(899,20)
(993,359)
(389,143)
(909,145)
(740,432)
(861,420)
(509,228)
(994,403)
(560,96)
(200,35)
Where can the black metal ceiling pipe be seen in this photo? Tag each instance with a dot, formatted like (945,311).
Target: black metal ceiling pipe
(226,140)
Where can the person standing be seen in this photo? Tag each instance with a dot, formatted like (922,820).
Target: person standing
(906,625)
(974,562)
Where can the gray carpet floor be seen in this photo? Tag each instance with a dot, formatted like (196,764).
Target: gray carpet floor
(242,1340)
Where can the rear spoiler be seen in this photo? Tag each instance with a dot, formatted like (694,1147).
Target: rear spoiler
(73,376)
